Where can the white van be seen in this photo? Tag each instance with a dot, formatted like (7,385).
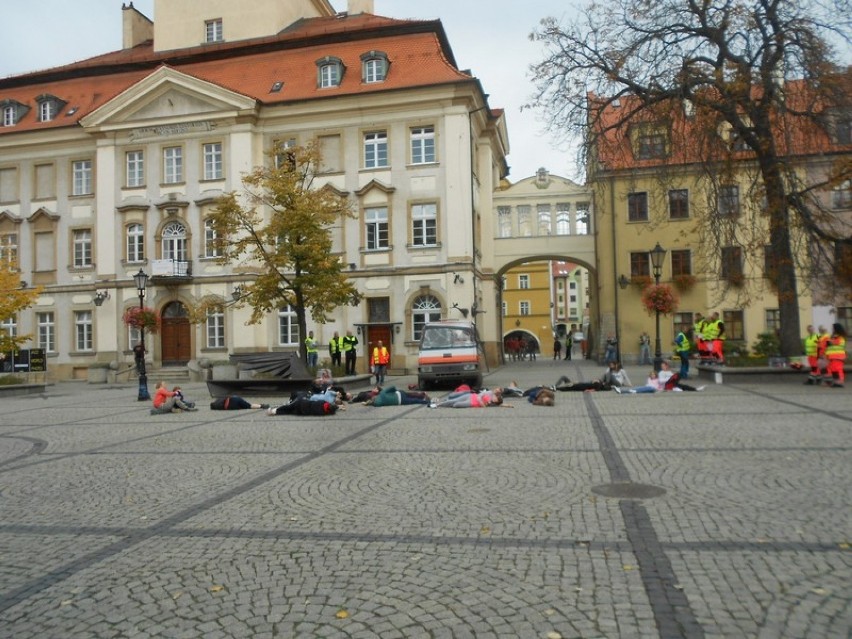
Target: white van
(449,353)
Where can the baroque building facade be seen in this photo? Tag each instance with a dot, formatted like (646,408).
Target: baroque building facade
(113,164)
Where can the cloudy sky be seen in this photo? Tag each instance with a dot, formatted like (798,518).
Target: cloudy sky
(493,44)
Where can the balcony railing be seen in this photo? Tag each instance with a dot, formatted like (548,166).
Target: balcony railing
(171,268)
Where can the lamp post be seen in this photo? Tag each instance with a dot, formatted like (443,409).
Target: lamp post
(658,253)
(141,279)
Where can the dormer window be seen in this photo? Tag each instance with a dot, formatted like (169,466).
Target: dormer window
(48,107)
(374,67)
(650,140)
(12,111)
(213,30)
(329,72)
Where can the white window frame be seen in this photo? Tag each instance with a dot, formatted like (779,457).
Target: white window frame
(9,326)
(46,110)
(375,149)
(375,70)
(81,172)
(376,228)
(523,282)
(134,336)
(424,309)
(524,307)
(424,224)
(9,249)
(288,327)
(215,328)
(210,247)
(46,323)
(174,246)
(545,220)
(135,168)
(135,243)
(582,226)
(329,75)
(214,31)
(213,168)
(83,331)
(504,221)
(172,165)
(82,239)
(423,145)
(10,115)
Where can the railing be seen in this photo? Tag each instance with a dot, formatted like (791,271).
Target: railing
(171,268)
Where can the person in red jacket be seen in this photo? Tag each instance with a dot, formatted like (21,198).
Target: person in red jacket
(166,401)
(835,352)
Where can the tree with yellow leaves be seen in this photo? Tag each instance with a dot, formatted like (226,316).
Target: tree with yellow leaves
(281,224)
(13,299)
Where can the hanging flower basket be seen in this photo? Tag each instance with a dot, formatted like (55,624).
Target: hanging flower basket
(142,318)
(659,298)
(684,282)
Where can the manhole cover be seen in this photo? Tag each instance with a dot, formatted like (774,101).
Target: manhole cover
(479,430)
(628,490)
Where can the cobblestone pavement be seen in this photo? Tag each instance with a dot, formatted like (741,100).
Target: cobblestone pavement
(724,513)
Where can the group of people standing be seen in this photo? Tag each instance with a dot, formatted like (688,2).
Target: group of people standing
(826,353)
(709,335)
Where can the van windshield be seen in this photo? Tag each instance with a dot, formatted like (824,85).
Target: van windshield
(436,337)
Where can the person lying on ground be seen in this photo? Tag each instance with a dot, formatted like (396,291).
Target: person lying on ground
(469,399)
(671,380)
(324,382)
(303,406)
(366,395)
(652,385)
(234,402)
(331,396)
(541,396)
(166,401)
(563,384)
(390,396)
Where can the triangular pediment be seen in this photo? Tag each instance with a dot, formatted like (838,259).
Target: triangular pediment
(7,216)
(167,96)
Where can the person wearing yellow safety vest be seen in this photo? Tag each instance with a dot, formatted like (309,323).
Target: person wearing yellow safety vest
(714,334)
(835,351)
(682,348)
(379,362)
(349,344)
(822,342)
(698,335)
(811,342)
(335,349)
(312,350)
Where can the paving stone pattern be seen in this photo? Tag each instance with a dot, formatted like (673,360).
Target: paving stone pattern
(412,522)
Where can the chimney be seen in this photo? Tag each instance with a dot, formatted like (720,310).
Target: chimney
(360,6)
(136,28)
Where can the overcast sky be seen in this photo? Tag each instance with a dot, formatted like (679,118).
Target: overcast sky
(488,38)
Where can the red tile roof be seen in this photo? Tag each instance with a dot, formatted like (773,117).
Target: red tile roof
(418,52)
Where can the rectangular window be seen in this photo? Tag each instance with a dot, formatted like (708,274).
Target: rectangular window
(9,326)
(329,75)
(583,218)
(841,195)
(732,263)
(375,149)
(284,157)
(651,145)
(211,248)
(524,308)
(681,263)
(563,218)
(772,320)
(678,204)
(172,165)
(46,111)
(504,221)
(134,336)
(545,221)
(729,201)
(83,330)
(374,70)
(213,161)
(215,329)
(637,207)
(505,306)
(46,331)
(377,230)
(523,281)
(213,30)
(682,321)
(45,254)
(524,220)
(45,182)
(288,327)
(10,116)
(423,145)
(82,248)
(135,168)
(424,220)
(9,249)
(81,171)
(734,324)
(135,243)
(640,264)
(844,318)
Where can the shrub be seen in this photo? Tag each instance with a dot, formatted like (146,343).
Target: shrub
(767,344)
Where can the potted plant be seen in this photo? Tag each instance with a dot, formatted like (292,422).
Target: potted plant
(640,281)
(659,298)
(684,282)
(144,318)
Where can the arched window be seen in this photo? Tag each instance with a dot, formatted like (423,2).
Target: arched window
(425,308)
(174,242)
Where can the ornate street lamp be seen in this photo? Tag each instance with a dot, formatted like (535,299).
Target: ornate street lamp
(658,254)
(141,279)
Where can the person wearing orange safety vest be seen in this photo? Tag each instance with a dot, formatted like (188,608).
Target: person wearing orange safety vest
(379,361)
(822,342)
(811,350)
(835,352)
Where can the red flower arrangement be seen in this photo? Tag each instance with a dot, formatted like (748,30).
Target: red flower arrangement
(142,318)
(659,298)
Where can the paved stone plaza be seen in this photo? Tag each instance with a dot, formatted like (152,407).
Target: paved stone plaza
(724,513)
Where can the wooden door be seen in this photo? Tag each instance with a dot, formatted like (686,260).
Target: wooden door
(376,334)
(175,335)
